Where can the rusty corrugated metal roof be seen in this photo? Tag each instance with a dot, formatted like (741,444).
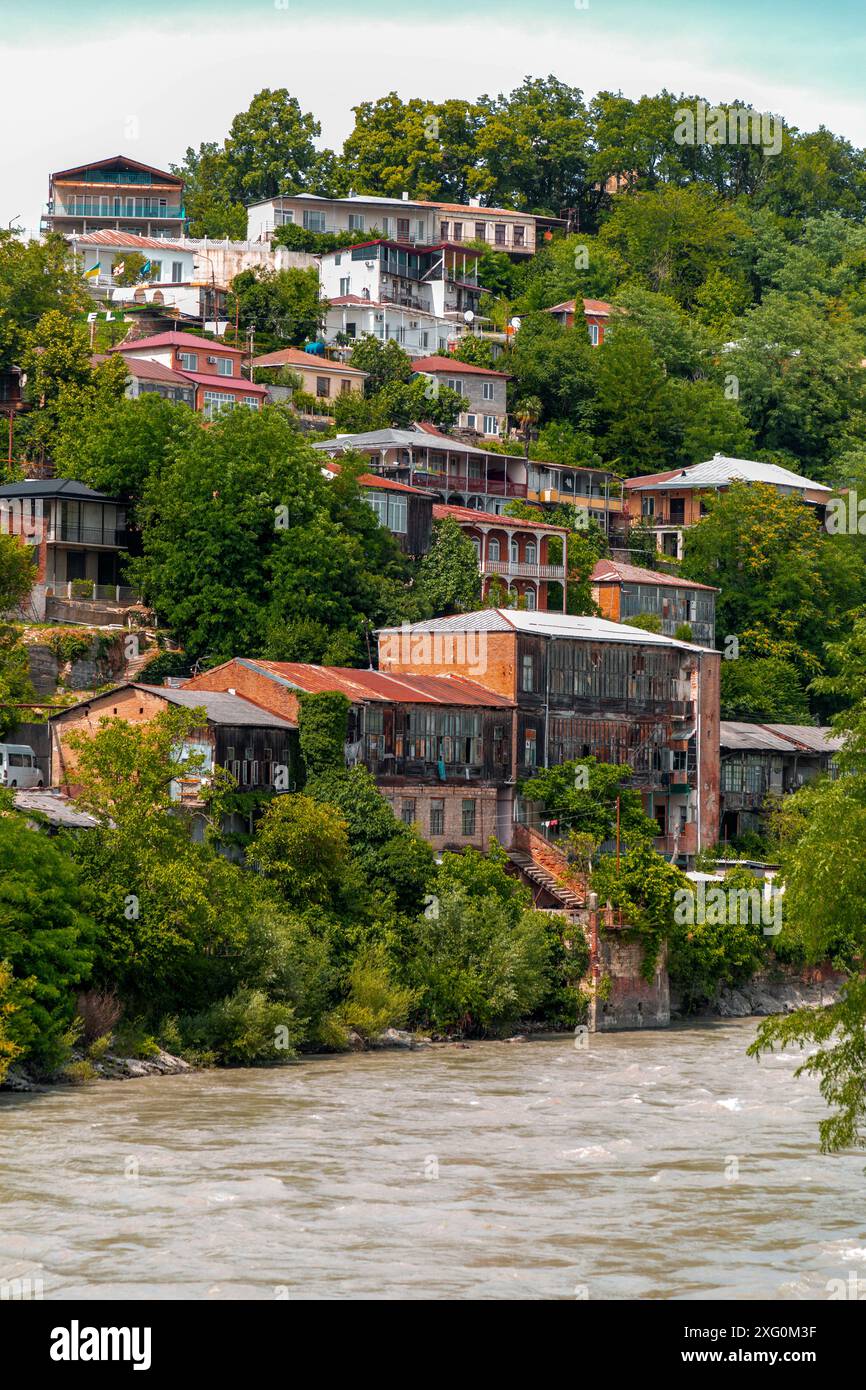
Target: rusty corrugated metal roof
(360,685)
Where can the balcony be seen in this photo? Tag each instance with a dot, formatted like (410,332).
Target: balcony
(112,208)
(68,534)
(520,569)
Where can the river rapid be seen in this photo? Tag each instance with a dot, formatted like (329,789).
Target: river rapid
(661,1165)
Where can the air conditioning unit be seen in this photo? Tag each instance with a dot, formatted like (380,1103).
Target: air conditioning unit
(548,495)
(379,318)
(212,360)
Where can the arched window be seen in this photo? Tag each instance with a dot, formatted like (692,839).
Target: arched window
(531,552)
(493,548)
(515,553)
(477,544)
(529,595)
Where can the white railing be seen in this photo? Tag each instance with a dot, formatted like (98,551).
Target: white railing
(522,570)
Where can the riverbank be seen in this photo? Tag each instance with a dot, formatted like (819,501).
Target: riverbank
(777,992)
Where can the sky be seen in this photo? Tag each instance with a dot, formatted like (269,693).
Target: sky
(86,79)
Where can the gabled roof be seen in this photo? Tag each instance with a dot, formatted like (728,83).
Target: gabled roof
(468,514)
(296,356)
(416,247)
(453,365)
(219,706)
(225,383)
(176,339)
(374,686)
(145,370)
(118,159)
(540,624)
(599,308)
(615,572)
(721,471)
(394,439)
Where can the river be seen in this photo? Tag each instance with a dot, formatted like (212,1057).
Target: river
(651,1165)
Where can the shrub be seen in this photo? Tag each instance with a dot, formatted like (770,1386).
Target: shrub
(373,1004)
(99,1011)
(82,588)
(79,1073)
(8,1049)
(247,1027)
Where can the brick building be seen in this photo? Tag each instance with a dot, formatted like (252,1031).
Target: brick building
(624,591)
(588,687)
(517,554)
(212,368)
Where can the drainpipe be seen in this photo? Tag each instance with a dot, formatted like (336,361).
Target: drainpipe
(699,760)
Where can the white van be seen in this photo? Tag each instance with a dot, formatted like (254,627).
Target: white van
(18,766)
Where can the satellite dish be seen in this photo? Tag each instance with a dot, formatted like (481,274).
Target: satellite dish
(515,323)
(469,317)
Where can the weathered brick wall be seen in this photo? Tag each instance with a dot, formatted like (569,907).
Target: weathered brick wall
(492,658)
(485,799)
(253,685)
(632,1002)
(135,706)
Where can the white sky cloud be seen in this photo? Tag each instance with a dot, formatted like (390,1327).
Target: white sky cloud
(67,101)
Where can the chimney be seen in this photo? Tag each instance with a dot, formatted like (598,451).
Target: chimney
(231,690)
(405,196)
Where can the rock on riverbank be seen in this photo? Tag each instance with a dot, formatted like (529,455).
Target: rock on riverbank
(764,995)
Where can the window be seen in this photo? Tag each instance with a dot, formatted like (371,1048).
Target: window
(407,812)
(455,383)
(529,748)
(648,506)
(392,511)
(490,425)
(531,552)
(215,402)
(493,548)
(356,222)
(468,816)
(323,386)
(252,401)
(519,236)
(345,281)
(499,234)
(155,272)
(338,259)
(593,334)
(419,229)
(176,272)
(425,338)
(345,388)
(188,361)
(443,231)
(314,221)
(437,816)
(480,231)
(403,228)
(514,552)
(351,330)
(487,390)
(470,422)
(527,675)
(224,366)
(458,231)
(529,596)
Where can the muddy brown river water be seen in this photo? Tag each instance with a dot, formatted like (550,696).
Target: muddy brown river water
(656,1165)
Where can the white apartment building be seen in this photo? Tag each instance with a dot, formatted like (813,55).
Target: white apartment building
(404,219)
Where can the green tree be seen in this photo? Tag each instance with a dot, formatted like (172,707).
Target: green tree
(47,938)
(36,277)
(448,577)
(270,147)
(283,305)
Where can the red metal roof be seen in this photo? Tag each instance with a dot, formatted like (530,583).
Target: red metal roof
(176,339)
(130,241)
(464,514)
(376,480)
(222,383)
(386,689)
(453,364)
(146,370)
(590,306)
(304,359)
(648,478)
(614,571)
